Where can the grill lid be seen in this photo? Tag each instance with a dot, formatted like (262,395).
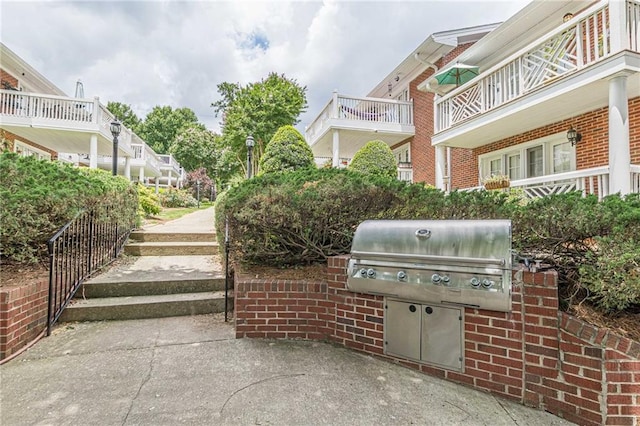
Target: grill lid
(479,242)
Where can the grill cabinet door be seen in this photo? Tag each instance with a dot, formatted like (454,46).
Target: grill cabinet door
(442,336)
(402,329)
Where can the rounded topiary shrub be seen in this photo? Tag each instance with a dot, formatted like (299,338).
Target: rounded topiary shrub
(286,151)
(375,158)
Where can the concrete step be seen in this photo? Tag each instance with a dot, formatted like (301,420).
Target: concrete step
(92,289)
(171,248)
(138,307)
(185,237)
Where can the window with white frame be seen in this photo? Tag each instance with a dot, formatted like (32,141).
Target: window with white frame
(546,156)
(403,95)
(28,150)
(402,154)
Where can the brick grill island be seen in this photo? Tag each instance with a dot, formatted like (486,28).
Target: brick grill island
(533,354)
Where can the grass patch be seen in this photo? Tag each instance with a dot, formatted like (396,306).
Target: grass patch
(171,213)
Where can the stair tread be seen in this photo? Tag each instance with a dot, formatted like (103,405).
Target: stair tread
(138,300)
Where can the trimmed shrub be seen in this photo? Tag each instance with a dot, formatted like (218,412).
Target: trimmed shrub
(375,158)
(38,197)
(286,151)
(302,217)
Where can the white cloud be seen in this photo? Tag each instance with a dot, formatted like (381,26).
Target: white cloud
(176,53)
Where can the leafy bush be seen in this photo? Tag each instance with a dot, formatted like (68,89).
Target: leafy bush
(286,151)
(375,158)
(38,197)
(148,203)
(298,217)
(305,216)
(611,273)
(177,198)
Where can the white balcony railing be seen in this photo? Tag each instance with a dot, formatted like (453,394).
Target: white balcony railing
(73,113)
(589,181)
(167,162)
(593,35)
(142,151)
(365,110)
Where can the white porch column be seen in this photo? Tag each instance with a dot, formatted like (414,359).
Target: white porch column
(93,152)
(335,160)
(170,179)
(141,175)
(127,167)
(157,185)
(440,165)
(619,152)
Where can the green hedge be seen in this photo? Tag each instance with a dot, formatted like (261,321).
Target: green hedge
(305,216)
(38,197)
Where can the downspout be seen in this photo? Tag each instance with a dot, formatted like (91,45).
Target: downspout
(429,65)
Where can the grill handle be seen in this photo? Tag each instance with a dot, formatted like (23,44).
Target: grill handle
(430,258)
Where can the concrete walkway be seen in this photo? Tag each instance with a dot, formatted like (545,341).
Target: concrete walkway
(191,370)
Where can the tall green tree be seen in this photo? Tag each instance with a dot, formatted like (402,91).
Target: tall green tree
(162,125)
(196,148)
(258,109)
(125,114)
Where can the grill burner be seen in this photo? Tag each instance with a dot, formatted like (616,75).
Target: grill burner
(461,262)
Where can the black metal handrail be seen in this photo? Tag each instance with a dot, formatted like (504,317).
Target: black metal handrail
(76,251)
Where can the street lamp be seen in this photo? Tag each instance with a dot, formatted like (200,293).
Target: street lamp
(250,143)
(198,191)
(115,131)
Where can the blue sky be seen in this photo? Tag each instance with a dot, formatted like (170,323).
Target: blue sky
(147,53)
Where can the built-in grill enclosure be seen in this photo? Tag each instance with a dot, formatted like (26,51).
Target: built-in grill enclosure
(461,262)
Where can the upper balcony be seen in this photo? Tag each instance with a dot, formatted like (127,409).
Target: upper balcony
(560,75)
(359,120)
(61,124)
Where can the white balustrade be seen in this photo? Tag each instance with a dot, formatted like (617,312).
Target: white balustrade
(45,107)
(576,44)
(635,178)
(589,181)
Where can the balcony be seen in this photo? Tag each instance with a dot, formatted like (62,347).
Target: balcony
(172,173)
(60,123)
(589,181)
(561,75)
(352,122)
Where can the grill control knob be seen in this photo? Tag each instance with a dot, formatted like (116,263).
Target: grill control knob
(363,272)
(486,283)
(475,282)
(371,273)
(435,278)
(402,276)
(445,280)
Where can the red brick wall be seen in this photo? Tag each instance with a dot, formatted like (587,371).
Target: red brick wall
(23,315)
(534,354)
(592,151)
(422,153)
(7,78)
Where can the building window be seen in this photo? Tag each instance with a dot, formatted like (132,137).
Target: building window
(28,150)
(546,156)
(535,161)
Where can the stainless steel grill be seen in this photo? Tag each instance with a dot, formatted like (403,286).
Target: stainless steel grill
(448,262)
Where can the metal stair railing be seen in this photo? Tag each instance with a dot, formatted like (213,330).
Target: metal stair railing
(76,251)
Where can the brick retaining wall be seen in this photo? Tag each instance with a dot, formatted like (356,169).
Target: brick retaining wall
(534,354)
(23,315)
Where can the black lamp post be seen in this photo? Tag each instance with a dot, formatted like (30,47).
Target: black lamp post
(250,143)
(198,192)
(115,131)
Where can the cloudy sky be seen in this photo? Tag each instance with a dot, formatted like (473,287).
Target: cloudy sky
(148,53)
